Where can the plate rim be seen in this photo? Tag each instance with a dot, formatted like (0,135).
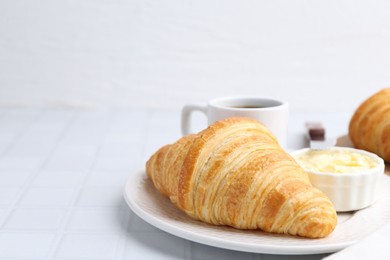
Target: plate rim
(134,180)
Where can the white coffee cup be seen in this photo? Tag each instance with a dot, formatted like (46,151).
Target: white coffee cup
(272,113)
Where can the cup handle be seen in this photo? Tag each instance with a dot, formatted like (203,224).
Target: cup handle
(186,116)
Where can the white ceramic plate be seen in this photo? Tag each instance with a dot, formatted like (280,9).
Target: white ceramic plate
(156,209)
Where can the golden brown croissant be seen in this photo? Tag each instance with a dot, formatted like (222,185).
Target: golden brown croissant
(369,128)
(235,173)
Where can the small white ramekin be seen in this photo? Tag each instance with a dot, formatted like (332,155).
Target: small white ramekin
(348,191)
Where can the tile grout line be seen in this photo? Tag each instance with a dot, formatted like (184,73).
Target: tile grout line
(61,230)
(34,173)
(27,184)
(122,245)
(20,134)
(33,176)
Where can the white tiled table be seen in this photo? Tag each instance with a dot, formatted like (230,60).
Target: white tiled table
(62,174)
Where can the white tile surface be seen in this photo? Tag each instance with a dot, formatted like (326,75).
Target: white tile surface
(47,197)
(14,177)
(41,133)
(10,162)
(7,136)
(293,257)
(108,196)
(31,149)
(35,219)
(92,246)
(154,246)
(72,157)
(28,245)
(62,174)
(3,215)
(8,195)
(98,219)
(4,146)
(115,163)
(59,178)
(204,252)
(56,117)
(87,128)
(139,225)
(108,177)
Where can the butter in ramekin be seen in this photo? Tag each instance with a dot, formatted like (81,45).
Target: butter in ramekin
(348,177)
(335,161)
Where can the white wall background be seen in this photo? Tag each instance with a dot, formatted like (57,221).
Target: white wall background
(320,55)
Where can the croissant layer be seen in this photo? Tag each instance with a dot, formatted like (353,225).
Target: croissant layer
(235,173)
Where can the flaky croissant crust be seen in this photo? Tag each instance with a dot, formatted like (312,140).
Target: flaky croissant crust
(235,173)
(369,128)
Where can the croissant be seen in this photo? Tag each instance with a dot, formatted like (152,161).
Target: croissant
(369,128)
(235,173)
